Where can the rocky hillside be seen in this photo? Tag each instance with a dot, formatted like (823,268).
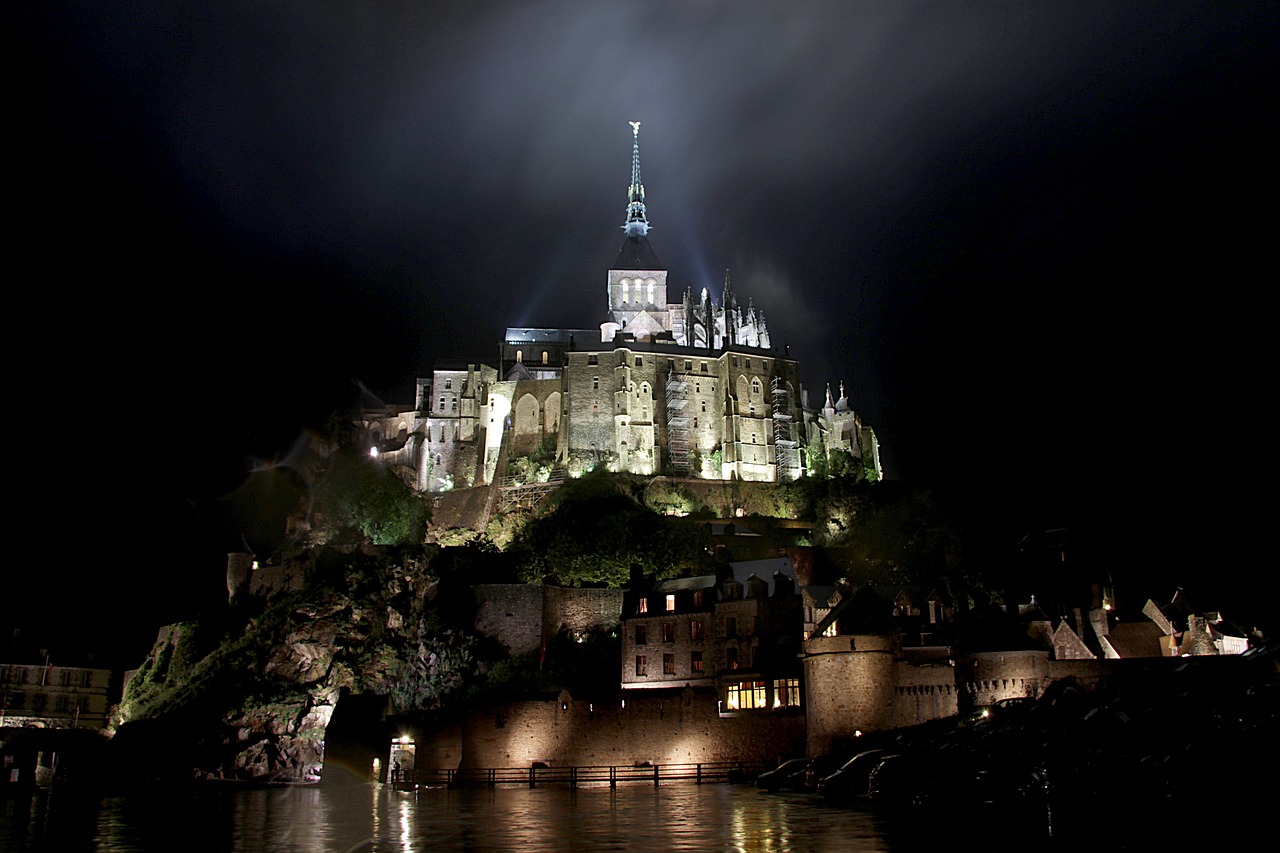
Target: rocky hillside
(248,696)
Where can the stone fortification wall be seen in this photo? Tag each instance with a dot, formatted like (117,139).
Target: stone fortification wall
(575,609)
(849,684)
(988,677)
(267,581)
(511,614)
(923,692)
(660,727)
(517,615)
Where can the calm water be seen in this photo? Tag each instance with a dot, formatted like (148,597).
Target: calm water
(376,818)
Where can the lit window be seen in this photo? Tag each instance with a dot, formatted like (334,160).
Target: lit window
(695,630)
(671,602)
(668,664)
(642,666)
(642,636)
(643,606)
(545,357)
(668,632)
(695,662)
(786,693)
(744,695)
(832,630)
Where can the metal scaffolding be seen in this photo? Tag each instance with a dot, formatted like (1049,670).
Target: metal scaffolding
(785,451)
(677,424)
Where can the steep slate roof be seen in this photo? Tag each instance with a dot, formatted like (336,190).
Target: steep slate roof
(1135,639)
(763,569)
(679,584)
(637,254)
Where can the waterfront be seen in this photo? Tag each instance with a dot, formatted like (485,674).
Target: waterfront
(379,818)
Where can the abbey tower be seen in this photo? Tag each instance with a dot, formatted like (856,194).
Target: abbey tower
(688,388)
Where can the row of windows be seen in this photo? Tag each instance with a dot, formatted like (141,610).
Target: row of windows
(752,695)
(40,702)
(670,602)
(764,364)
(696,664)
(65,678)
(669,633)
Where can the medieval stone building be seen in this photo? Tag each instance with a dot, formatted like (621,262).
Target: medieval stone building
(686,387)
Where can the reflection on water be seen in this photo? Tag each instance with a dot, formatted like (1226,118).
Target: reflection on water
(377,818)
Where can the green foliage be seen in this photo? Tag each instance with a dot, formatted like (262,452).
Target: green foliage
(842,463)
(358,497)
(671,498)
(592,532)
(816,454)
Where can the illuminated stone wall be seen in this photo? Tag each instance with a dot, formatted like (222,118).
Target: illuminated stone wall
(660,727)
(510,614)
(922,693)
(573,609)
(517,614)
(849,683)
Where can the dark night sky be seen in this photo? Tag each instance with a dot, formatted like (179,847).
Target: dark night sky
(1032,238)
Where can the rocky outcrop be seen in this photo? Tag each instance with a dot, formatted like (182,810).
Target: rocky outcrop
(262,686)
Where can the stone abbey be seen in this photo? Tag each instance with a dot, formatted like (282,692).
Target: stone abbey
(691,387)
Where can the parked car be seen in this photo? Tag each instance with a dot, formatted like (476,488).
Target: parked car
(788,774)
(850,780)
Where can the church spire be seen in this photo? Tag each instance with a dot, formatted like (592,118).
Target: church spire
(637,222)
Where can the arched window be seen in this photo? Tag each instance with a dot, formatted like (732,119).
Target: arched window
(545,357)
(519,356)
(626,287)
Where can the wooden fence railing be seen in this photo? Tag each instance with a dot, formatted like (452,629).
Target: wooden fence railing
(653,774)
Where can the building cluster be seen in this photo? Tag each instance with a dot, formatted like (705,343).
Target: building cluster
(690,387)
(752,638)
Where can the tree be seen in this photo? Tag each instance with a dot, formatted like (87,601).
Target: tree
(357,496)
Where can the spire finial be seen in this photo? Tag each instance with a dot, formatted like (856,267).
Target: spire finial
(637,224)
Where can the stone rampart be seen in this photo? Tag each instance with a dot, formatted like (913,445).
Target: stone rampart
(659,727)
(575,609)
(511,614)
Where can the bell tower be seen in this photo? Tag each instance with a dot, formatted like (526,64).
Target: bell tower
(637,281)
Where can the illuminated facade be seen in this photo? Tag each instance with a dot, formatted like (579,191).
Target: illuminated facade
(740,634)
(688,387)
(53,696)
